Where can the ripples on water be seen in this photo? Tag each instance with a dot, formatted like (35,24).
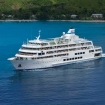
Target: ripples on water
(81,83)
(74,84)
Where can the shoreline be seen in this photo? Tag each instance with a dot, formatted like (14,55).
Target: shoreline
(53,20)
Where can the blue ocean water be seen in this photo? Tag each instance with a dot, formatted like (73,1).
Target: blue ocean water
(76,84)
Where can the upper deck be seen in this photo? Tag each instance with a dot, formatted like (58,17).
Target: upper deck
(68,41)
(66,38)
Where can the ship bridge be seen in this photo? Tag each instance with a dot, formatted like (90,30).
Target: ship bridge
(70,35)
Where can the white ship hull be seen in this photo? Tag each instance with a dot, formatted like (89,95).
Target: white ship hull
(48,63)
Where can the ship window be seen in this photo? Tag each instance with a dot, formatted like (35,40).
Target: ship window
(21,58)
(88,43)
(64,60)
(67,59)
(80,52)
(43,53)
(39,53)
(75,53)
(91,51)
(83,52)
(76,58)
(97,54)
(72,58)
(81,57)
(17,58)
(98,49)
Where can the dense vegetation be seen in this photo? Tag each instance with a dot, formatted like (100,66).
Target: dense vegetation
(50,9)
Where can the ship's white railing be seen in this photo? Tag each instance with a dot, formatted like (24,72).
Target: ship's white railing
(55,47)
(24,55)
(97,47)
(29,51)
(35,44)
(13,58)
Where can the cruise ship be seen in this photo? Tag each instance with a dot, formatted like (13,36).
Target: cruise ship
(63,50)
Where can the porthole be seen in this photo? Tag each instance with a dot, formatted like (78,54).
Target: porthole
(64,60)
(75,53)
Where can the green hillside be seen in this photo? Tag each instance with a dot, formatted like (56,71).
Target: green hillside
(50,9)
(16,4)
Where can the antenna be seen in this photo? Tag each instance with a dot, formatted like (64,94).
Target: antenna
(31,34)
(39,32)
(37,38)
(27,40)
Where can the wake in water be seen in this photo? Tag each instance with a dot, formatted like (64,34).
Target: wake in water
(83,65)
(80,65)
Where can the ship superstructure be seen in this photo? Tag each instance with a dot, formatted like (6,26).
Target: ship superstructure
(66,49)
